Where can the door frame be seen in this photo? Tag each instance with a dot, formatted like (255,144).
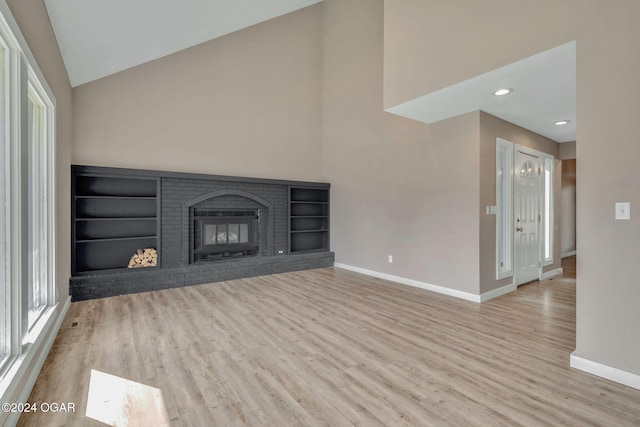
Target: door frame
(505,224)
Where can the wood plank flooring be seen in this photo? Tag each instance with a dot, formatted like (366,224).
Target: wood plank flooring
(569,266)
(330,347)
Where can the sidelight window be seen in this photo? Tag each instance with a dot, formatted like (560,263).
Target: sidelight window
(504,208)
(548,211)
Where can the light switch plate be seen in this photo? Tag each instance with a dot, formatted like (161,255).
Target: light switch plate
(623,210)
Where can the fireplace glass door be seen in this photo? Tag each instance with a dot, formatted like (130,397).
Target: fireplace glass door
(223,234)
(226,234)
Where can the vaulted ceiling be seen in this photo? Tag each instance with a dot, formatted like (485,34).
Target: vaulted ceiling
(98,38)
(102,37)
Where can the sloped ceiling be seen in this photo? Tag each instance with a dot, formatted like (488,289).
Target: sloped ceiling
(544,91)
(102,37)
(98,38)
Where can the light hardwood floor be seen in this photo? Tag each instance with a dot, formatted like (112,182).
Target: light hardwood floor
(329,347)
(569,266)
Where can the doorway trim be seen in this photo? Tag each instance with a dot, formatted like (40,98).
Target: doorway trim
(505,177)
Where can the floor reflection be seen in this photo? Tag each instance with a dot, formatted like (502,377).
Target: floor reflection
(120,402)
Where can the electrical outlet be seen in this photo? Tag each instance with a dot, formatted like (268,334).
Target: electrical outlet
(623,210)
(390,259)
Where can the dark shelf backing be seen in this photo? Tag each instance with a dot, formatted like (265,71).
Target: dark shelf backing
(311,241)
(113,216)
(308,219)
(115,208)
(308,223)
(109,254)
(115,186)
(309,209)
(309,195)
(109,229)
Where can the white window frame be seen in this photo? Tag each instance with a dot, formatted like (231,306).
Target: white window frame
(41,194)
(504,209)
(548,219)
(5,295)
(21,76)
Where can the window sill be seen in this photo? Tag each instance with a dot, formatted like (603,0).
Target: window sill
(20,372)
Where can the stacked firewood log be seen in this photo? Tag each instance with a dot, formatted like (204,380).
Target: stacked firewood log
(144,258)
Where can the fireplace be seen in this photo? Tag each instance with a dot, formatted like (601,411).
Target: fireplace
(219,234)
(203,228)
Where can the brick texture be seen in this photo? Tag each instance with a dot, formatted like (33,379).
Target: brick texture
(142,280)
(178,197)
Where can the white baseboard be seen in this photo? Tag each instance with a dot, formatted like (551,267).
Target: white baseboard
(410,282)
(566,254)
(551,273)
(497,292)
(607,372)
(22,382)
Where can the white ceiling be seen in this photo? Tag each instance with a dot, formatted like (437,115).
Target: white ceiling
(101,37)
(544,91)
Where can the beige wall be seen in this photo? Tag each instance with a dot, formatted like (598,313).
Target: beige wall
(247,104)
(432,44)
(568,150)
(492,127)
(608,65)
(32,18)
(399,187)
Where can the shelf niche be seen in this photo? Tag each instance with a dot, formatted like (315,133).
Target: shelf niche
(112,217)
(308,219)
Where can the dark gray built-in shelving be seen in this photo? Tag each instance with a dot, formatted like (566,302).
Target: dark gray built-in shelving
(116,211)
(309,219)
(113,216)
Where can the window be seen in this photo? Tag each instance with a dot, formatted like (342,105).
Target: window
(27,209)
(548,211)
(36,256)
(504,215)
(4,279)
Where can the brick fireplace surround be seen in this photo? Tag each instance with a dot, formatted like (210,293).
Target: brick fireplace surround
(179,194)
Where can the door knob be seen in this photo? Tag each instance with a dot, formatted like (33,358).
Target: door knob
(519,229)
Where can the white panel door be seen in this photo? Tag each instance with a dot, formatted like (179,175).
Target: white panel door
(526,204)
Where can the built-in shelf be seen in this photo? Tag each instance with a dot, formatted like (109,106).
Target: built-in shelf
(309,203)
(116,197)
(117,219)
(116,239)
(113,216)
(308,219)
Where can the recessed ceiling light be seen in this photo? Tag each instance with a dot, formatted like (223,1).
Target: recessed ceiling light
(562,122)
(501,92)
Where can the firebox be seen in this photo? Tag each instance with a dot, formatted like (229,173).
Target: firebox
(219,234)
